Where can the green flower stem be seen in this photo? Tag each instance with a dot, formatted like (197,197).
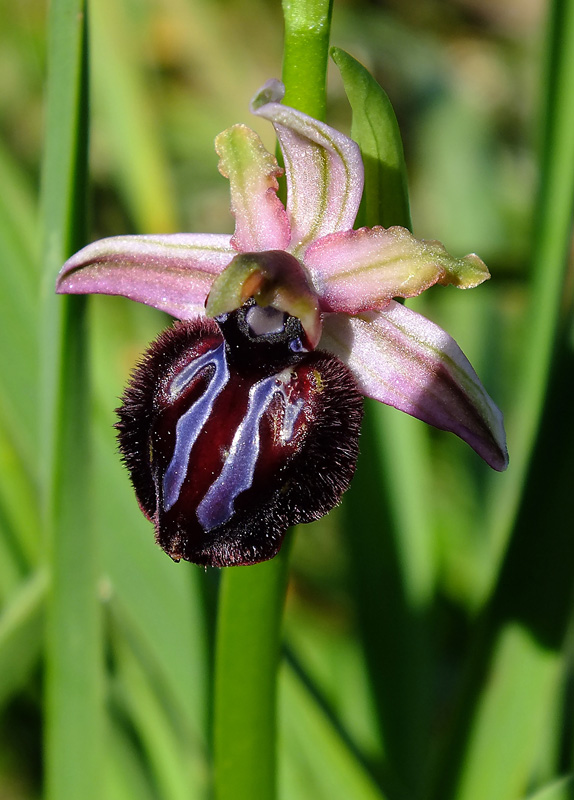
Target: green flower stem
(307,30)
(73,642)
(248,645)
(252,598)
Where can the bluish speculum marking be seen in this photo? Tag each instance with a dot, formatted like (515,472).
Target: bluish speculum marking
(292,411)
(192,422)
(217,507)
(265,320)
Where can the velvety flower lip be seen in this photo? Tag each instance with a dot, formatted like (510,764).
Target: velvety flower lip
(396,355)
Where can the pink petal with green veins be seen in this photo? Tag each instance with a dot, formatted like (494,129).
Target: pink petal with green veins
(261,222)
(362,270)
(323,167)
(171,272)
(402,359)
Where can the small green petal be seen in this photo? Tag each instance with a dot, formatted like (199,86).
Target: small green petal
(274,278)
(464,273)
(261,220)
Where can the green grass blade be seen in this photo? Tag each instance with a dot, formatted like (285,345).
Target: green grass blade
(19,337)
(172,761)
(562,789)
(73,644)
(516,666)
(127,776)
(392,561)
(21,634)
(122,98)
(317,762)
(19,298)
(391,596)
(513,713)
(18,504)
(552,227)
(17,219)
(11,572)
(515,678)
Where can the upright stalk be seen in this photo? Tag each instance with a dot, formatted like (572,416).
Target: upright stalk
(305,55)
(252,598)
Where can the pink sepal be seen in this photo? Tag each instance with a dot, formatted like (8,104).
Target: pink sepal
(171,272)
(261,221)
(364,269)
(404,360)
(324,169)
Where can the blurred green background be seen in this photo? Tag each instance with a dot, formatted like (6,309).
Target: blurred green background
(380,626)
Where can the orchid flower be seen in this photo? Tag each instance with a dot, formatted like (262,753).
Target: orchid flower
(243,418)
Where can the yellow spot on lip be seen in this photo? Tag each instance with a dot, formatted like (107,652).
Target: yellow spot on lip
(318,380)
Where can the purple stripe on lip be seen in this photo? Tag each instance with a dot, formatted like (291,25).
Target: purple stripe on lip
(190,424)
(216,508)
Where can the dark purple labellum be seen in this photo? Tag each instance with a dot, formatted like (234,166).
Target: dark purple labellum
(232,432)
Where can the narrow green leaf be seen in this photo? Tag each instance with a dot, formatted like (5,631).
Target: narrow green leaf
(325,654)
(11,571)
(17,219)
(176,766)
(18,501)
(510,718)
(73,644)
(515,667)
(19,300)
(392,585)
(376,131)
(315,752)
(127,776)
(550,294)
(134,139)
(518,646)
(389,507)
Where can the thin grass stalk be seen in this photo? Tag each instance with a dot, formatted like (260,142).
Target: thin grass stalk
(252,598)
(552,227)
(73,696)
